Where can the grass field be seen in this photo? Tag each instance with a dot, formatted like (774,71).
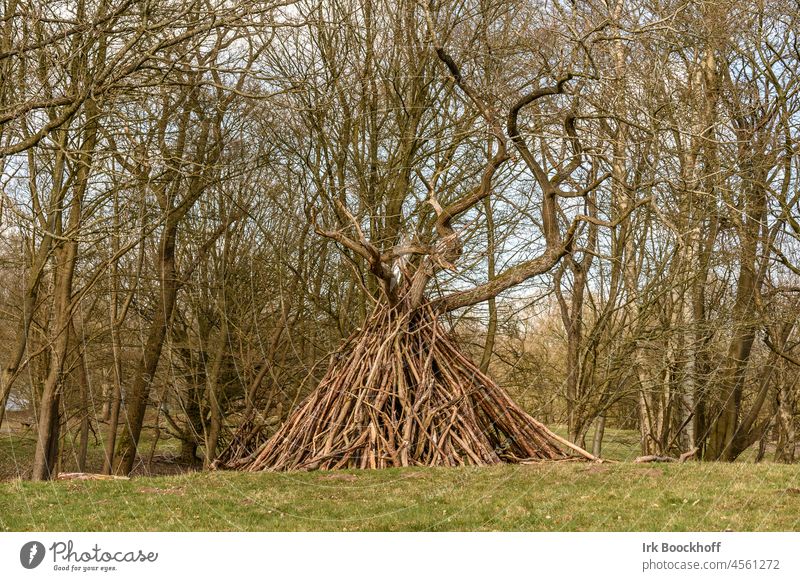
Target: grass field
(615,496)
(545,497)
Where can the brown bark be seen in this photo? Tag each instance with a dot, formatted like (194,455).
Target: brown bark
(491,329)
(144,372)
(46,453)
(82,379)
(724,426)
(214,394)
(66,254)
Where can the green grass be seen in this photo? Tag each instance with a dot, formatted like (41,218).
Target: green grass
(543,497)
(616,496)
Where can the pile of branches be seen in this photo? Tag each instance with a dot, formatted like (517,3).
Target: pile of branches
(403,394)
(250,435)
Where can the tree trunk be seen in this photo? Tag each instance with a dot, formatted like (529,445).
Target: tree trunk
(721,444)
(599,431)
(46,454)
(214,395)
(787,435)
(491,330)
(138,396)
(82,379)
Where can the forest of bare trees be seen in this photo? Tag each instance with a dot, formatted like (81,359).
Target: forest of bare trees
(203,201)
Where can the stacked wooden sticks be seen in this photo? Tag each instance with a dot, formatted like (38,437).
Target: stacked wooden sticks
(250,435)
(403,394)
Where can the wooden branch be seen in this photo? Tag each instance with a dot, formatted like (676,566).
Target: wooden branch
(512,127)
(203,251)
(556,248)
(373,254)
(362,247)
(533,96)
(407,250)
(779,352)
(577,149)
(504,281)
(89,476)
(689,454)
(481,191)
(653,458)
(583,192)
(476,99)
(511,277)
(549,189)
(337,236)
(484,188)
(618,220)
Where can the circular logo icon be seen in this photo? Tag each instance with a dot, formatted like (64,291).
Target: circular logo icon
(31,554)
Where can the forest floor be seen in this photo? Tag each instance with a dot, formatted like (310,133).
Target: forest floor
(563,496)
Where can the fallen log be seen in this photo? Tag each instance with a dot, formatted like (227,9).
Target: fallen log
(651,458)
(89,476)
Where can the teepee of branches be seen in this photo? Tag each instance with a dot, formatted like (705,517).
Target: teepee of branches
(401,393)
